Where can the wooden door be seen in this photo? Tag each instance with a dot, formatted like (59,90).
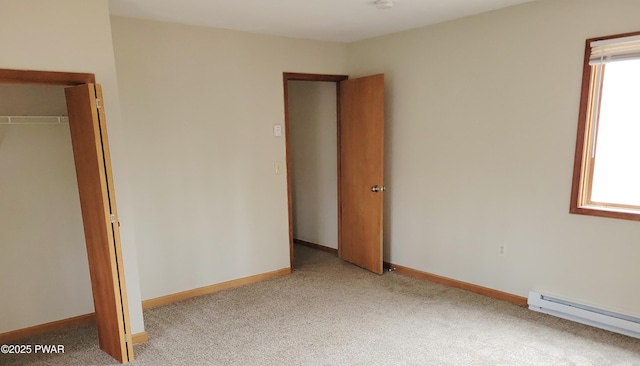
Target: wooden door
(361,186)
(97,201)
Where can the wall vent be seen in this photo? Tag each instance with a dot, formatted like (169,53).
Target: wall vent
(615,322)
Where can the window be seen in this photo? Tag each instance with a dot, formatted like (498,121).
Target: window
(606,177)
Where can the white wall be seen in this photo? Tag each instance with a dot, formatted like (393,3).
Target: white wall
(481,126)
(314,160)
(75,36)
(200,106)
(32,100)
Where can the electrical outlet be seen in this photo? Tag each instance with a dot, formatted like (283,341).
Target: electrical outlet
(502,250)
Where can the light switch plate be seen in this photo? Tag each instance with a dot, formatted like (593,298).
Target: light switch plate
(277,130)
(278,167)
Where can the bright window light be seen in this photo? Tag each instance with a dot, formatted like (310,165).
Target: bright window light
(616,172)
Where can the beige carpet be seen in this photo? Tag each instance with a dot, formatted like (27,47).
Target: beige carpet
(331,313)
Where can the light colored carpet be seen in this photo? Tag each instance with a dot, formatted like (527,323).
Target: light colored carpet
(332,313)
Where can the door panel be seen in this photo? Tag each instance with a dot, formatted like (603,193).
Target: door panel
(88,137)
(116,221)
(361,168)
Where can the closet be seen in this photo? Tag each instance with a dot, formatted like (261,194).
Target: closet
(60,254)
(44,274)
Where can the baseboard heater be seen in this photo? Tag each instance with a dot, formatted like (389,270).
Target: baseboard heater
(615,322)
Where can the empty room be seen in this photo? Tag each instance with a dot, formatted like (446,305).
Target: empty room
(414,182)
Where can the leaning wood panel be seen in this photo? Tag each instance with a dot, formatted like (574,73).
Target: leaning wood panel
(94,202)
(115,226)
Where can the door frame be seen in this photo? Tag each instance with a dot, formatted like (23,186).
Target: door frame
(10,76)
(293,76)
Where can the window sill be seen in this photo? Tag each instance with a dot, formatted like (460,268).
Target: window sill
(611,212)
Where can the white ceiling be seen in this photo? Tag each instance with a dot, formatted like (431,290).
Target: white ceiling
(327,20)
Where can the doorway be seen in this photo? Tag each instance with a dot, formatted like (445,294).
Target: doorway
(314,170)
(359,126)
(87,126)
(312,127)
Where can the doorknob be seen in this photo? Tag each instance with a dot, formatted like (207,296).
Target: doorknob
(376,189)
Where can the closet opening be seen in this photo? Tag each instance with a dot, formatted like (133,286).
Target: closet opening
(60,237)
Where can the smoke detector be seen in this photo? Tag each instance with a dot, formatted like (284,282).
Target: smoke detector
(383,4)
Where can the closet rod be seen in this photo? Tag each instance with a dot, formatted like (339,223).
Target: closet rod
(33,120)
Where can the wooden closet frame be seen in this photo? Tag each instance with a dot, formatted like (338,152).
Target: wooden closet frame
(68,79)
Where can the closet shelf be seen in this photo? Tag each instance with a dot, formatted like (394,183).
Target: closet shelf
(33,120)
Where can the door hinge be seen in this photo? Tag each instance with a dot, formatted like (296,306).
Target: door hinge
(98,105)
(113,218)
